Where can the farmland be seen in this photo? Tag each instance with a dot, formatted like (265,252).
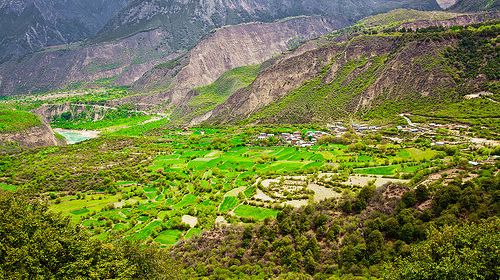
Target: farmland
(207,174)
(144,181)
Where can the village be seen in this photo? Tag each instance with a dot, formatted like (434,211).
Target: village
(438,134)
(296,138)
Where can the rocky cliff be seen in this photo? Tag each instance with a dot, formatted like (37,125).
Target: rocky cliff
(366,74)
(445,4)
(37,136)
(228,48)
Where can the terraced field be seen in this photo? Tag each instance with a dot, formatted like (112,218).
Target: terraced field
(208,174)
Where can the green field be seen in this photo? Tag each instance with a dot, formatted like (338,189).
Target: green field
(229,203)
(7,187)
(257,213)
(158,175)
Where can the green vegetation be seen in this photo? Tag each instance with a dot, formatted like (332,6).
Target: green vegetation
(316,101)
(256,213)
(119,117)
(371,235)
(208,97)
(171,64)
(475,5)
(38,242)
(12,120)
(397,17)
(149,200)
(229,203)
(461,251)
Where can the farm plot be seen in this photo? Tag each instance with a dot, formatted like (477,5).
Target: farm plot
(256,213)
(196,178)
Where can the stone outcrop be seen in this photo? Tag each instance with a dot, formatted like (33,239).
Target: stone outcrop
(38,136)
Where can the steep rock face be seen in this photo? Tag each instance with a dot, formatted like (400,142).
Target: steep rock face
(243,45)
(50,111)
(38,136)
(30,25)
(445,4)
(125,61)
(228,48)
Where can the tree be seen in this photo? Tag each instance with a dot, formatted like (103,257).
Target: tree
(43,245)
(469,251)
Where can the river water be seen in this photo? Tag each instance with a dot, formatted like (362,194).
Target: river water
(77,136)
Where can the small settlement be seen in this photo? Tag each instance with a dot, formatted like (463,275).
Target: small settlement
(296,138)
(454,134)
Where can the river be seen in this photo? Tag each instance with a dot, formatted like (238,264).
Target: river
(77,136)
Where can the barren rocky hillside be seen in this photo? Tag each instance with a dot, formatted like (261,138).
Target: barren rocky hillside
(122,61)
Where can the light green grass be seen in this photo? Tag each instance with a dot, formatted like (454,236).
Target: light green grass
(7,187)
(257,213)
(228,203)
(168,237)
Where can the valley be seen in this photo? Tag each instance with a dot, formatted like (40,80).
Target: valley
(254,140)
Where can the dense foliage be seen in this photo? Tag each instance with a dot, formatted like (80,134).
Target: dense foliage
(391,232)
(38,243)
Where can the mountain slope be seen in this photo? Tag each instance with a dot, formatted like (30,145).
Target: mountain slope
(188,20)
(30,25)
(394,71)
(142,35)
(232,47)
(475,5)
(122,61)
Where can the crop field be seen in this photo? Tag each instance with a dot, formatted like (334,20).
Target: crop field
(155,177)
(206,173)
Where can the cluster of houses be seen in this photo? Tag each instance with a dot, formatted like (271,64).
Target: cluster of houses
(455,128)
(295,138)
(360,128)
(339,129)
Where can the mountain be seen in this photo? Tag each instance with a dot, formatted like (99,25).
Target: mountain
(446,3)
(187,21)
(475,5)
(31,25)
(126,61)
(149,33)
(372,74)
(227,48)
